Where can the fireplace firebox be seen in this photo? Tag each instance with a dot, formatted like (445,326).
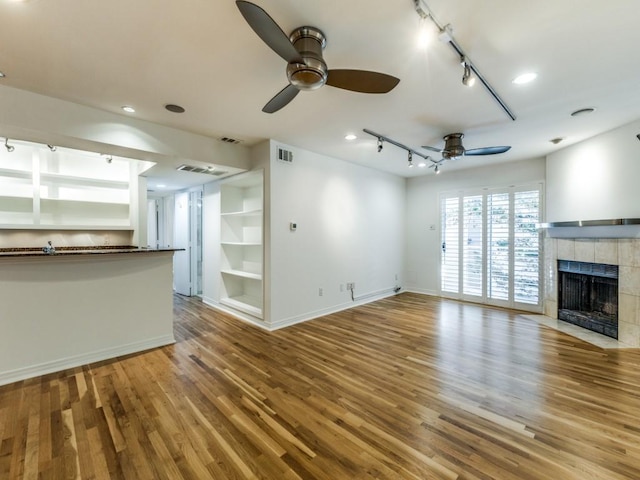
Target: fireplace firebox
(588,296)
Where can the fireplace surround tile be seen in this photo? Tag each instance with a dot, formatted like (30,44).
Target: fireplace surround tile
(631,283)
(606,251)
(628,308)
(629,252)
(630,333)
(585,250)
(566,249)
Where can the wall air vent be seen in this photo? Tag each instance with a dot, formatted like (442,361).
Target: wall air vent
(285,155)
(207,170)
(229,140)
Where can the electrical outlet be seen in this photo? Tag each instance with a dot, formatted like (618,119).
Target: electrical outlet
(320,292)
(351,286)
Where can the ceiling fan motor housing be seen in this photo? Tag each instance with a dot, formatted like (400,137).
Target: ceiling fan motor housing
(312,74)
(453,148)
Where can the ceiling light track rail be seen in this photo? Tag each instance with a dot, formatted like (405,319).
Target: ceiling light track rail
(446,35)
(399,145)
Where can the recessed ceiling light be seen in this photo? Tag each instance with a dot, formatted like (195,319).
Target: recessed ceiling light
(174,108)
(350,136)
(525,78)
(128,109)
(422,164)
(583,111)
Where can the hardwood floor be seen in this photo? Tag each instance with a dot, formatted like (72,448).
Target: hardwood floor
(411,387)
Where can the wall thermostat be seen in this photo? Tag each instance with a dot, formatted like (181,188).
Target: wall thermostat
(293,226)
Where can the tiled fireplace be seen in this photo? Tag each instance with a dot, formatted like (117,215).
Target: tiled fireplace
(622,252)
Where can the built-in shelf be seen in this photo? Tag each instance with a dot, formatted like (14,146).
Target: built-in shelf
(244,303)
(243,274)
(250,213)
(40,190)
(241,221)
(243,244)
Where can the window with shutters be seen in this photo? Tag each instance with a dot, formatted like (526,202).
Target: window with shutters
(491,246)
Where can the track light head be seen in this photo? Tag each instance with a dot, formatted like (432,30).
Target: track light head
(379,145)
(108,158)
(53,148)
(467,77)
(437,169)
(10,148)
(410,158)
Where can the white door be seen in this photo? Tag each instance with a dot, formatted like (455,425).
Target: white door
(181,239)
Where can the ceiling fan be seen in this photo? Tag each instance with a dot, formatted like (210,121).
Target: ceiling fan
(453,148)
(306,69)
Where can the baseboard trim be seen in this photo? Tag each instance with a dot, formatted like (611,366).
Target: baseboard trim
(83,359)
(235,313)
(422,291)
(362,300)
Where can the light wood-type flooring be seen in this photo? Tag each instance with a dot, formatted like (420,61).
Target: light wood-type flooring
(410,387)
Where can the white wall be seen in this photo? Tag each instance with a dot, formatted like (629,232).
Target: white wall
(596,179)
(211,243)
(351,228)
(423,216)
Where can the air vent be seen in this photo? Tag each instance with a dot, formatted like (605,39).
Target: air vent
(230,140)
(206,170)
(285,155)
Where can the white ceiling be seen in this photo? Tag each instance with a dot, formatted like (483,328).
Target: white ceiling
(202,55)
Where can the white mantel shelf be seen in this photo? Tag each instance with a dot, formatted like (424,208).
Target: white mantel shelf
(608,228)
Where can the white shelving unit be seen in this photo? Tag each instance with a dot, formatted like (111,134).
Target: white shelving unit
(241,233)
(40,189)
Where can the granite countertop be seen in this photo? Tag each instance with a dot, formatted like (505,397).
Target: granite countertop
(60,251)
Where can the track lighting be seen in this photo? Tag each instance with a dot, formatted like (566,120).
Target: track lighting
(410,151)
(437,169)
(10,148)
(446,36)
(108,158)
(53,148)
(467,77)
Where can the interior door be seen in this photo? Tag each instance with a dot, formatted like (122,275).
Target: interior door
(181,237)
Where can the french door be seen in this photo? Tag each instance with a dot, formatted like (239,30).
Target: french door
(490,249)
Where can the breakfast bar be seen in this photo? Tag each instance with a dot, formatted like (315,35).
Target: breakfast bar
(77,305)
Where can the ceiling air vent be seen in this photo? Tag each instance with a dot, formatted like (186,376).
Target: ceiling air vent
(285,155)
(207,170)
(229,140)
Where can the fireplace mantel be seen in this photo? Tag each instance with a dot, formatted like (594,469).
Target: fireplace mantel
(608,228)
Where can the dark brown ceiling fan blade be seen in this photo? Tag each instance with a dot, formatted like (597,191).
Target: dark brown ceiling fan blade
(362,81)
(268,30)
(281,99)
(487,150)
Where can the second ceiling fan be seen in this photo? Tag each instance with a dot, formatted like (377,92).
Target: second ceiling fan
(453,148)
(306,69)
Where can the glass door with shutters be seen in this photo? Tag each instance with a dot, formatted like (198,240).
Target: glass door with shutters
(491,246)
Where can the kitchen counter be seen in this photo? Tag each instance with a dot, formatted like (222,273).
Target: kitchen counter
(81,305)
(61,251)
